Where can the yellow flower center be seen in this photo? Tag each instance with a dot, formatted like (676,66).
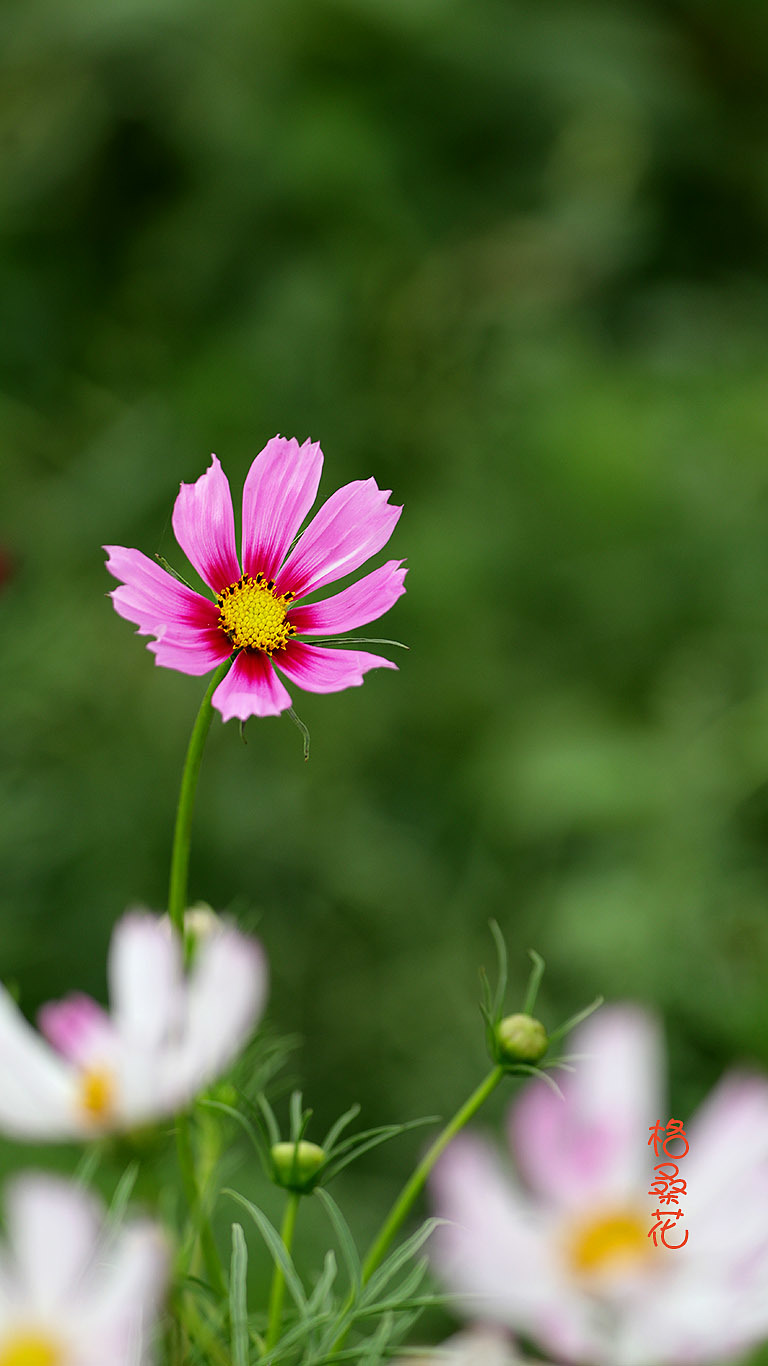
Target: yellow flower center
(30,1349)
(608,1242)
(252,616)
(96,1097)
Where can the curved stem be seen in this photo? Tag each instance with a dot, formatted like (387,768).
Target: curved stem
(413,1187)
(277,1292)
(182,834)
(177,904)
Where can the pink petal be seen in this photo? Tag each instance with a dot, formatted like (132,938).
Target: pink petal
(317,669)
(279,491)
(77,1027)
(225,999)
(592,1146)
(151,598)
(493,1250)
(733,1119)
(352,525)
(204,526)
(37,1086)
(196,654)
(54,1228)
(145,979)
(726,1168)
(124,1291)
(251,688)
(363,601)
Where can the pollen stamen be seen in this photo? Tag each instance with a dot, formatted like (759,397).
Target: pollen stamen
(30,1349)
(252,616)
(96,1095)
(607,1242)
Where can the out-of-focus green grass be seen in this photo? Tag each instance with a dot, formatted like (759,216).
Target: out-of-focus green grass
(511,260)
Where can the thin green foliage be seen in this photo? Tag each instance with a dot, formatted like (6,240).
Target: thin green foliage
(346,1240)
(238,1297)
(276,1249)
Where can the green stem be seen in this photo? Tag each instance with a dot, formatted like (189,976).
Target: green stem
(277,1292)
(182,834)
(197,1213)
(413,1188)
(177,904)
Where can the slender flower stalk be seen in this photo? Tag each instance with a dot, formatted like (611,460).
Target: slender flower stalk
(414,1186)
(277,1290)
(177,904)
(193,1196)
(182,834)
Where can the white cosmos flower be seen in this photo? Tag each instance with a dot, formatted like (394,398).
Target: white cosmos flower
(480,1346)
(73,1293)
(167,1035)
(567,1260)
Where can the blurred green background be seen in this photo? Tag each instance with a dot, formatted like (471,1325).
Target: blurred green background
(509,258)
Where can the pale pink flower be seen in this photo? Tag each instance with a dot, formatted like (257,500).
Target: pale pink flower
(72,1291)
(167,1035)
(478,1346)
(259,613)
(566,1259)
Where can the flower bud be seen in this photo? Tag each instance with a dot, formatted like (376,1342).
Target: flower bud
(520,1038)
(201,921)
(294,1165)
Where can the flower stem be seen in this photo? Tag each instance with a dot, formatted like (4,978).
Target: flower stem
(177,891)
(413,1187)
(197,1213)
(277,1292)
(177,904)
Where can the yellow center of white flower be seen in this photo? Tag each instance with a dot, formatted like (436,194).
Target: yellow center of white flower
(252,615)
(30,1349)
(607,1242)
(96,1095)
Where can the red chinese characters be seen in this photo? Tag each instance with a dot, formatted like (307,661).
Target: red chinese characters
(667,1184)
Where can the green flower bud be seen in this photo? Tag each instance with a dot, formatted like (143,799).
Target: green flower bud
(294,1165)
(520,1038)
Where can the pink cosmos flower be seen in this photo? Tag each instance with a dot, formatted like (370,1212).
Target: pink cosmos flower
(259,612)
(169,1033)
(74,1292)
(478,1346)
(567,1260)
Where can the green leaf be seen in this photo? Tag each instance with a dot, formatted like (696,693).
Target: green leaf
(319,1299)
(576,1019)
(339,1127)
(358,640)
(344,1235)
(268,1114)
(123,1193)
(385,1131)
(534,981)
(501,985)
(402,1254)
(238,1301)
(236,1115)
(169,569)
(354,1147)
(276,1248)
(302,727)
(296,1116)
